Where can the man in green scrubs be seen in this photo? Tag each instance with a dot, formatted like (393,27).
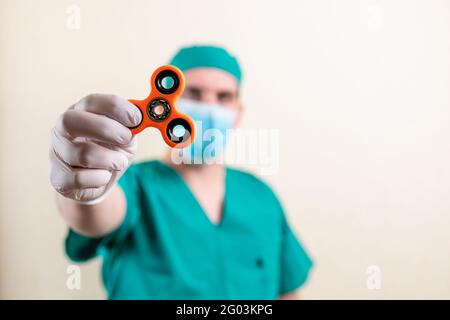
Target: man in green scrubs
(165,229)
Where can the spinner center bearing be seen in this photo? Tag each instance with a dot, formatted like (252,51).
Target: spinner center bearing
(158,109)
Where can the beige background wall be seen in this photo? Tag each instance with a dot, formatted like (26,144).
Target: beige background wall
(363,86)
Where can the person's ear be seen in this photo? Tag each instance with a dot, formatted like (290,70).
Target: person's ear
(240,113)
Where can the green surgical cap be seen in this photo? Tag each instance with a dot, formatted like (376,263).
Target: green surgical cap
(207,57)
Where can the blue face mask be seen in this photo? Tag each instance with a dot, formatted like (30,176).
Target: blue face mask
(212,123)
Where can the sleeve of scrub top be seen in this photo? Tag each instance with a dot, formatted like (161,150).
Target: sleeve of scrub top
(80,248)
(295,262)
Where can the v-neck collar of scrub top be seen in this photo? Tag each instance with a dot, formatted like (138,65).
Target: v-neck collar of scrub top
(193,198)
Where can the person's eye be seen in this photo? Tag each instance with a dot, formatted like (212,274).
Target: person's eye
(193,94)
(225,97)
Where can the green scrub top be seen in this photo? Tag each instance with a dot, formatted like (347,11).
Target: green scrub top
(167,248)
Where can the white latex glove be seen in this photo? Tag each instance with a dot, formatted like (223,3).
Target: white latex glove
(91,146)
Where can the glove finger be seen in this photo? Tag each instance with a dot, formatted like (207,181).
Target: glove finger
(87,154)
(85,195)
(65,178)
(74,123)
(113,107)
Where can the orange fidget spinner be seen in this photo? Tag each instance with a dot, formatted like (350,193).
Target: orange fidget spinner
(159,109)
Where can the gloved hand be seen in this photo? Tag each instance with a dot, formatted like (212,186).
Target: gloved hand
(91,146)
